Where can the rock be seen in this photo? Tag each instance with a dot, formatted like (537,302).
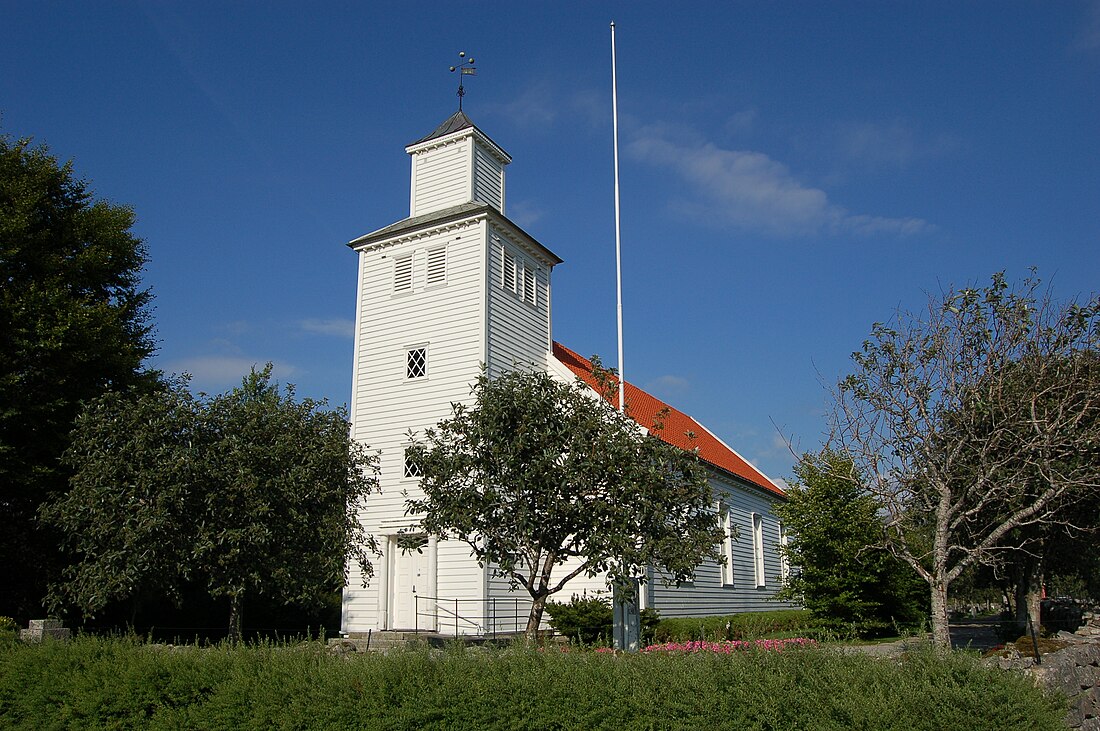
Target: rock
(37,629)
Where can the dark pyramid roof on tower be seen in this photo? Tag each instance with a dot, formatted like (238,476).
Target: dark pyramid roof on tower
(454,123)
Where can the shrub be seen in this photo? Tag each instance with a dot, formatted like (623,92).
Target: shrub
(743,626)
(9,630)
(589,620)
(103,683)
(583,619)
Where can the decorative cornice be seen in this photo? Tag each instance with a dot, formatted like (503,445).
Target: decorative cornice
(424,233)
(473,132)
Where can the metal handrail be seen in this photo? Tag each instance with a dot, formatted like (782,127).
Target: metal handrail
(477,622)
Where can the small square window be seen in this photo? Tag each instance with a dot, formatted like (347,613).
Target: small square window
(416,363)
(412,467)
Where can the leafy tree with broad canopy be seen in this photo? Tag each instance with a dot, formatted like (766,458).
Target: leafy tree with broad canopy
(74,322)
(1030,551)
(250,492)
(841,574)
(540,472)
(964,458)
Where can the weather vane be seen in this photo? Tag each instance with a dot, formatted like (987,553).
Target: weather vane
(463,70)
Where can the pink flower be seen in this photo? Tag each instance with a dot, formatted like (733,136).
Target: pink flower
(729,646)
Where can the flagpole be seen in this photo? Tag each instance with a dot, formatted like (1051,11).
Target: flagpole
(626,623)
(618,238)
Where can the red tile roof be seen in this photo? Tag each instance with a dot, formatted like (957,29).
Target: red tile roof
(647,411)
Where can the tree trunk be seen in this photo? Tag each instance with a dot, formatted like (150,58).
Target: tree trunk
(534,619)
(941,630)
(1035,595)
(1029,588)
(235,602)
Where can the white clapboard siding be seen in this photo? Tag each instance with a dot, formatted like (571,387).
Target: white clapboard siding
(441,176)
(503,602)
(519,332)
(448,319)
(488,178)
(707,595)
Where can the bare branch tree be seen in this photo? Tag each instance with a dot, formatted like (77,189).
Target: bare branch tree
(968,420)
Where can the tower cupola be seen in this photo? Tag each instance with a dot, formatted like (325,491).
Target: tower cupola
(456,164)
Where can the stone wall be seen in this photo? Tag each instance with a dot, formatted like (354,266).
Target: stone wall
(1073,671)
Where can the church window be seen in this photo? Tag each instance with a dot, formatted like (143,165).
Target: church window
(784,562)
(403,273)
(529,286)
(508,269)
(437,266)
(412,468)
(416,363)
(728,531)
(758,548)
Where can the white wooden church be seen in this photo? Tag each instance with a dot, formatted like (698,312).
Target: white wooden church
(456,285)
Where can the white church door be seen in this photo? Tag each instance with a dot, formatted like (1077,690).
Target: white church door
(410,581)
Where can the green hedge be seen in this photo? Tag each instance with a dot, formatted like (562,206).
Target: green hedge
(121,684)
(744,626)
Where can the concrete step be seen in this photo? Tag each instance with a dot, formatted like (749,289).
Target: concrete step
(385,640)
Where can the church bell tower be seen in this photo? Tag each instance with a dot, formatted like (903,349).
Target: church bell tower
(454,287)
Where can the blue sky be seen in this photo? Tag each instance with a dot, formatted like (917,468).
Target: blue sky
(791,172)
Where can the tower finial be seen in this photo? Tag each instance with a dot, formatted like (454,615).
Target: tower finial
(463,70)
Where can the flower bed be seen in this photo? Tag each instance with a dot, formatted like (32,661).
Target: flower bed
(730,646)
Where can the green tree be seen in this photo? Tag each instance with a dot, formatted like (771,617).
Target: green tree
(842,574)
(538,473)
(74,322)
(1028,391)
(957,487)
(251,493)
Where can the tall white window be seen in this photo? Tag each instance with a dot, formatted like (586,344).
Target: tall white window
(727,544)
(437,266)
(784,563)
(403,273)
(758,548)
(416,362)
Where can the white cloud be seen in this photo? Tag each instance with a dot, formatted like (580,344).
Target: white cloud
(751,191)
(338,327)
(741,122)
(525,213)
(216,373)
(236,328)
(542,104)
(536,106)
(668,384)
(894,144)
